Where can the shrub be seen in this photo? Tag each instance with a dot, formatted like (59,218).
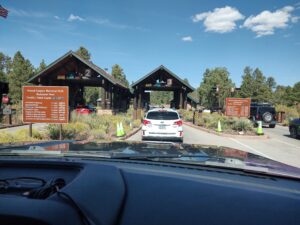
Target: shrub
(98,134)
(136,123)
(228,123)
(186,115)
(77,130)
(242,124)
(21,135)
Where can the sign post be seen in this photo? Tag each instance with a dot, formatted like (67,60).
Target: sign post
(238,107)
(45,104)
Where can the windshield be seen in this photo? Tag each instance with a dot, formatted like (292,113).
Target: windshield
(218,82)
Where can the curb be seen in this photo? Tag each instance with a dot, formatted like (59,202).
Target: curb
(134,131)
(226,135)
(10,126)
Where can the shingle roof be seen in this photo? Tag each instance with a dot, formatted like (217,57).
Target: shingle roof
(161,67)
(89,64)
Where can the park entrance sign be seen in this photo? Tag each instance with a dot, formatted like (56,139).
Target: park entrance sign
(45,104)
(238,107)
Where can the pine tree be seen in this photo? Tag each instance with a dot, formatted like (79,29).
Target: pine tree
(5,65)
(217,77)
(247,83)
(118,73)
(21,71)
(41,67)
(84,53)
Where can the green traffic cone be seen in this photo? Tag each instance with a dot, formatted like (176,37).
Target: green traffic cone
(219,129)
(119,134)
(122,129)
(259,129)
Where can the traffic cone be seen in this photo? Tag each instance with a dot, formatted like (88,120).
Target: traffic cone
(259,129)
(122,129)
(219,129)
(119,134)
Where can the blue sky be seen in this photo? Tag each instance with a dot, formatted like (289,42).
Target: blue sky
(186,36)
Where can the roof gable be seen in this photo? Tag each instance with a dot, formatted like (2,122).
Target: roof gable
(87,63)
(161,67)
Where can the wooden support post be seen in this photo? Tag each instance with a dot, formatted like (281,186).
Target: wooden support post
(30,130)
(140,99)
(185,100)
(180,99)
(103,98)
(60,132)
(112,104)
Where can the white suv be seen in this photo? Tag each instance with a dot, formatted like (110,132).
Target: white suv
(162,124)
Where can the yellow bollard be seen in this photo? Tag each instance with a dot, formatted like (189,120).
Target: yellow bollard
(219,129)
(119,134)
(122,129)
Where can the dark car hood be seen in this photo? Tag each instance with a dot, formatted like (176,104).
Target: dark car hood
(193,154)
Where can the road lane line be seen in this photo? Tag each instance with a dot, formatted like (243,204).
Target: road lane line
(249,147)
(292,145)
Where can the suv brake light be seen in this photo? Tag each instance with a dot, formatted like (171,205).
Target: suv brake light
(257,116)
(145,122)
(178,123)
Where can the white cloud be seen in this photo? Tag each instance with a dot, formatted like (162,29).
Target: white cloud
(220,20)
(187,39)
(57,17)
(73,18)
(266,22)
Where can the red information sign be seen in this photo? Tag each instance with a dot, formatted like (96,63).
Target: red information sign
(45,104)
(239,107)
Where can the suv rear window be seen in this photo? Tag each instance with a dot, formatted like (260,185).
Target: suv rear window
(164,115)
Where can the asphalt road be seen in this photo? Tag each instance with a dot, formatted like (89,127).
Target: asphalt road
(279,146)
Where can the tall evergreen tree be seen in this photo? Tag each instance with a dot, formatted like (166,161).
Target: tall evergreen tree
(256,86)
(261,92)
(41,67)
(118,73)
(21,71)
(210,95)
(84,53)
(5,65)
(247,83)
(271,83)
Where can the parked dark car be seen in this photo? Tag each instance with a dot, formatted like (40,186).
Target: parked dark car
(264,112)
(294,128)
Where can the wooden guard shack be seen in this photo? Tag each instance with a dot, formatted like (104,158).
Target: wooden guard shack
(160,79)
(73,71)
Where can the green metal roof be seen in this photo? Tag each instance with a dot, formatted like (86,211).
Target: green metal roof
(89,64)
(161,67)
(193,99)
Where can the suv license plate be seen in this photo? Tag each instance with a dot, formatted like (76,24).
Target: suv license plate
(162,127)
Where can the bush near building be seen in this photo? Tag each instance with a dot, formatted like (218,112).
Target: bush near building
(93,126)
(210,121)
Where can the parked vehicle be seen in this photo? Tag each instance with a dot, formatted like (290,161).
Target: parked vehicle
(294,128)
(163,124)
(264,112)
(85,110)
